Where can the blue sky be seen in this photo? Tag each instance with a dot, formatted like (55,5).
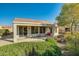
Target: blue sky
(37,11)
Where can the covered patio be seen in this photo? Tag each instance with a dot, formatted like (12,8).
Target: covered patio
(30,29)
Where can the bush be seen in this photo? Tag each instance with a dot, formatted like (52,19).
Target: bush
(1,32)
(31,49)
(72,43)
(4,32)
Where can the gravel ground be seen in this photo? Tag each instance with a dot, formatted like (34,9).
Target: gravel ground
(5,42)
(63,49)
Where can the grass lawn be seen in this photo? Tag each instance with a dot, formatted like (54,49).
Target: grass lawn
(47,48)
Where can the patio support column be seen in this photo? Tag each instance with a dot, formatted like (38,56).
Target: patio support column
(15,32)
(57,30)
(47,29)
(29,31)
(52,31)
(23,30)
(38,30)
(18,31)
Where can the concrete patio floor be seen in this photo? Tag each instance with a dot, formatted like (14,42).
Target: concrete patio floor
(10,41)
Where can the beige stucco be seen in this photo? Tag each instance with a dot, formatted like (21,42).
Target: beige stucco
(16,36)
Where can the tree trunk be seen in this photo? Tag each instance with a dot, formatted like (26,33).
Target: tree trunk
(71,27)
(75,40)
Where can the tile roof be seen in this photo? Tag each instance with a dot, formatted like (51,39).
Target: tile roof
(30,20)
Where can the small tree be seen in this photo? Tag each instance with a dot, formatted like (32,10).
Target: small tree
(1,32)
(69,16)
(6,32)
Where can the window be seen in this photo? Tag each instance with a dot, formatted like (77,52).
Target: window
(20,30)
(67,29)
(25,30)
(42,29)
(34,30)
(51,30)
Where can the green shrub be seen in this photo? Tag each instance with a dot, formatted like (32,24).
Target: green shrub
(52,51)
(72,43)
(51,41)
(47,48)
(4,32)
(1,32)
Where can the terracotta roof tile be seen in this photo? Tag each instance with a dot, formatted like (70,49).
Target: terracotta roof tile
(30,20)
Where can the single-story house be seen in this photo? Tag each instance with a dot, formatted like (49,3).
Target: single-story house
(30,28)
